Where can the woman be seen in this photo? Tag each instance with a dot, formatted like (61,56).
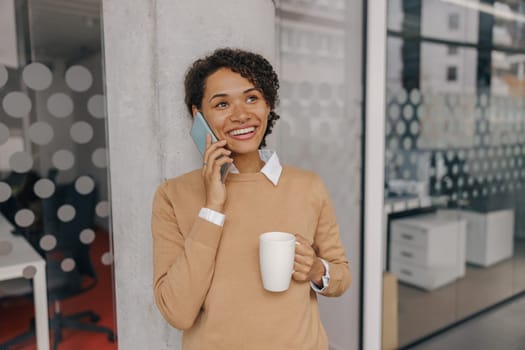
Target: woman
(206,271)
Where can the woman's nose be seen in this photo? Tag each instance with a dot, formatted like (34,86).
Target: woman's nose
(240,114)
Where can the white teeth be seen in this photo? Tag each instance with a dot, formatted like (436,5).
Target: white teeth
(242,131)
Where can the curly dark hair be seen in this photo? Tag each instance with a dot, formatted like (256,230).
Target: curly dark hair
(249,65)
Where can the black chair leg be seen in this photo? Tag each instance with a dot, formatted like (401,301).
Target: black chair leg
(55,324)
(93,317)
(73,324)
(18,339)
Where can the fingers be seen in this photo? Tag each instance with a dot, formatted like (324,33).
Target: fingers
(214,157)
(300,276)
(304,259)
(301,239)
(217,159)
(302,267)
(211,148)
(303,247)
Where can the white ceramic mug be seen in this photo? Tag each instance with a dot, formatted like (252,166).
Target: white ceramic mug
(276,259)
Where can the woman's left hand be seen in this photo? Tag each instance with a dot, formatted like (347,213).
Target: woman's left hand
(307,265)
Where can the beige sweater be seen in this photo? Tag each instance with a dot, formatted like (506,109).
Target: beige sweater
(206,277)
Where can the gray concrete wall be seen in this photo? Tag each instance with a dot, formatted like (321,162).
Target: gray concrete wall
(147,47)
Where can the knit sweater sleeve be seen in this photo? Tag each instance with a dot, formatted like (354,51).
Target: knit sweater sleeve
(328,245)
(183,264)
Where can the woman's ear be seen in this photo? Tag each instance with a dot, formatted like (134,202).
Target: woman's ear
(194,110)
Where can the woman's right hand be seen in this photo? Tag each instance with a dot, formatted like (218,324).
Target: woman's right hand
(214,157)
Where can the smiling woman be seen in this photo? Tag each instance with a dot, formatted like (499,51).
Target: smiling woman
(238,113)
(207,279)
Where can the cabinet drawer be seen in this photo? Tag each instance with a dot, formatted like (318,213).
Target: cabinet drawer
(423,277)
(409,235)
(410,274)
(409,254)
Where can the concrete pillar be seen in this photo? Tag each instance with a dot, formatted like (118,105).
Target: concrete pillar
(148,45)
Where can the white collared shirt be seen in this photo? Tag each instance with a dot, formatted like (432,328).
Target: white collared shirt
(272,169)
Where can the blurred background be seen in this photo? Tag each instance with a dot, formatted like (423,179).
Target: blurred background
(452,247)
(53,173)
(455,165)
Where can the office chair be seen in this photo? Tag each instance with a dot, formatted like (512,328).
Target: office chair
(62,285)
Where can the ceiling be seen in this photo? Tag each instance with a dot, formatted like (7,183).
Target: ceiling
(64,28)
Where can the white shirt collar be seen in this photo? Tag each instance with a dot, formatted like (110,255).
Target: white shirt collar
(272,168)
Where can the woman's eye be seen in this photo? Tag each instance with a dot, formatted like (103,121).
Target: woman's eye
(252,98)
(221,105)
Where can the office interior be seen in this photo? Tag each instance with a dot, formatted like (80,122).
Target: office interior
(54,201)
(453,242)
(454,161)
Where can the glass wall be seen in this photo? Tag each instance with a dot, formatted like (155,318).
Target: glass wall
(319,51)
(455,159)
(54,204)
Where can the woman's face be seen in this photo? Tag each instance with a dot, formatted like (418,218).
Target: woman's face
(235,110)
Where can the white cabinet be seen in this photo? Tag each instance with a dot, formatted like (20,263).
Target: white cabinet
(490,235)
(427,251)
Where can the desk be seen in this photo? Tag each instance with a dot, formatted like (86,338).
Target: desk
(12,266)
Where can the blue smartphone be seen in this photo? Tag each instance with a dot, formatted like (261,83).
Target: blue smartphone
(199,130)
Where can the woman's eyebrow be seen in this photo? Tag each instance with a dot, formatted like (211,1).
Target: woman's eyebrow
(251,89)
(217,95)
(222,94)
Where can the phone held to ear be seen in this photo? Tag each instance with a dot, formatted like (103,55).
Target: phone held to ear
(199,130)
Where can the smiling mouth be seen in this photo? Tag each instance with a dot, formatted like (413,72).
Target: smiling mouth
(244,131)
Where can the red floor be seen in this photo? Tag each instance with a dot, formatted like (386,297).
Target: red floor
(15,316)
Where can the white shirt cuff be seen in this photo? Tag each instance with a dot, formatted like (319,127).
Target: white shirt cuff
(212,216)
(326,278)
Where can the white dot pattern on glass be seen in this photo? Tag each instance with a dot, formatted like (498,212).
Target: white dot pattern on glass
(60,105)
(67,265)
(401,96)
(5,191)
(48,242)
(6,248)
(415,96)
(102,209)
(420,111)
(4,133)
(79,78)
(400,159)
(81,132)
(84,185)
(40,133)
(63,159)
(99,158)
(66,213)
(87,236)
(96,106)
(24,217)
(107,258)
(16,104)
(394,112)
(400,127)
(414,128)
(4,76)
(407,143)
(37,76)
(29,272)
(408,112)
(44,188)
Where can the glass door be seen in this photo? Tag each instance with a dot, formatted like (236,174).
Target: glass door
(454,167)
